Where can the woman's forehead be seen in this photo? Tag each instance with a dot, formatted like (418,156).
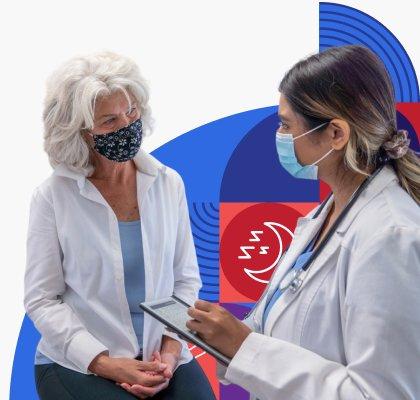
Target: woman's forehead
(285,112)
(111,104)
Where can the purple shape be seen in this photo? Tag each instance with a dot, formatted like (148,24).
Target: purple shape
(235,392)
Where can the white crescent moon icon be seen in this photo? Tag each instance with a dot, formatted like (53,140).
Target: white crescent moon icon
(250,272)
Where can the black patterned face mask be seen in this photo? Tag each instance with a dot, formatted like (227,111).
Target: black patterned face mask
(121,145)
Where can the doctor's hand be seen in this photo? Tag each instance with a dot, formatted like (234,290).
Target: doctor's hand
(217,327)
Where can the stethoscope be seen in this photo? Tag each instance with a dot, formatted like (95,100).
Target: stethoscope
(293,280)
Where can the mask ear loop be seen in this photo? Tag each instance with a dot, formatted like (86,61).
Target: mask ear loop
(327,154)
(313,129)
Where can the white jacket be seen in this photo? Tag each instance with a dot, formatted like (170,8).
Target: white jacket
(74,279)
(352,330)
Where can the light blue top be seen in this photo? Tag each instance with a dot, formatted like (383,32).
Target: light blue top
(300,261)
(134,280)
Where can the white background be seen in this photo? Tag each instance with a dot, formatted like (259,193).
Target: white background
(203,59)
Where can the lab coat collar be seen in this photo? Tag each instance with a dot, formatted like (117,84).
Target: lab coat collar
(145,163)
(383,179)
(377,185)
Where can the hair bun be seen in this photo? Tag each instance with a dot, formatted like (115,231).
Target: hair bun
(398,145)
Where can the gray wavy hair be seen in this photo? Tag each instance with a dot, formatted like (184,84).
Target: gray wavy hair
(72,92)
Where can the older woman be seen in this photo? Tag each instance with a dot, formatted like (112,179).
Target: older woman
(108,229)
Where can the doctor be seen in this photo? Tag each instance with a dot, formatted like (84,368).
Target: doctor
(348,326)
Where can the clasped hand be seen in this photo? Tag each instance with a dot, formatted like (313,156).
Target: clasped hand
(155,375)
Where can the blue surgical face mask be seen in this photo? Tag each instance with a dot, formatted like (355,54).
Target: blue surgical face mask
(288,159)
(121,145)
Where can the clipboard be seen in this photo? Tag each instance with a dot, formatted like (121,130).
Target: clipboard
(172,312)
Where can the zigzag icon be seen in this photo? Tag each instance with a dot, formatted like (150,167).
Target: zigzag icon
(256,238)
(263,249)
(246,255)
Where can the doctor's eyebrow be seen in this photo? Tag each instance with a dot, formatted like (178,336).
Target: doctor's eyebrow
(282,117)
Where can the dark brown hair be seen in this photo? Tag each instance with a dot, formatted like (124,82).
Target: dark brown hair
(352,83)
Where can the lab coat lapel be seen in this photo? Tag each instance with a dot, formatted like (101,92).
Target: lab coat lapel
(301,235)
(304,233)
(305,230)
(319,266)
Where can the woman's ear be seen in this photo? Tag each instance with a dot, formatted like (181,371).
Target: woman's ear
(339,132)
(86,135)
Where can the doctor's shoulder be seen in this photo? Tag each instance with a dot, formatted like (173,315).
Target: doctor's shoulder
(390,220)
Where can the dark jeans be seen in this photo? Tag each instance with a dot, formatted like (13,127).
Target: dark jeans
(54,382)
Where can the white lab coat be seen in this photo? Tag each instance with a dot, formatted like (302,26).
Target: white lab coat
(74,279)
(352,331)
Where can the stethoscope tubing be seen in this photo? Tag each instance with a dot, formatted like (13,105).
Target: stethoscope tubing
(330,232)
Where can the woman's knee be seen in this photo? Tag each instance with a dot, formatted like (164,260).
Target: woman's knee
(181,386)
(48,384)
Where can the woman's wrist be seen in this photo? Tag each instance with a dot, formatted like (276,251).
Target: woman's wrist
(100,363)
(170,345)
